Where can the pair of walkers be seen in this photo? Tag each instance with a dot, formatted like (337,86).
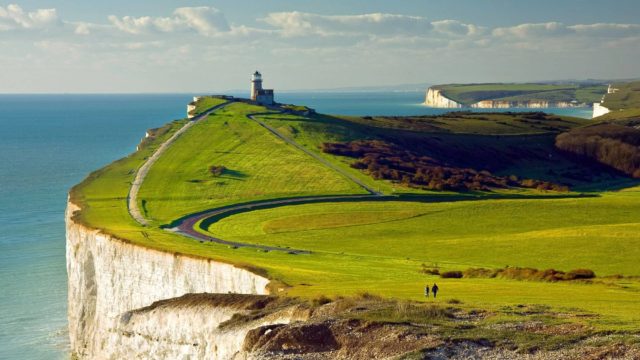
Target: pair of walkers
(434,290)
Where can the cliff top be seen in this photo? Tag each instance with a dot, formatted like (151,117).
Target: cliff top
(468,94)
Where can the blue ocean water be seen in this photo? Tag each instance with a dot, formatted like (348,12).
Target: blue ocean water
(48,143)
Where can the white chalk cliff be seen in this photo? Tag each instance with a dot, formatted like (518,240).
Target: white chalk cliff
(112,285)
(599,110)
(435,98)
(531,104)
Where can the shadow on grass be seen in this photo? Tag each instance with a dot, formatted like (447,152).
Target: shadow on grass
(233,174)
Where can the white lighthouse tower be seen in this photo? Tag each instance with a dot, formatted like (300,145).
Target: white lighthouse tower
(256,85)
(258,94)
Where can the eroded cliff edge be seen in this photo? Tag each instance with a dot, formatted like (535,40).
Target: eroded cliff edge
(112,286)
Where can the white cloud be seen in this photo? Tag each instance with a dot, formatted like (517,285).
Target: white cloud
(607,30)
(13,17)
(207,21)
(532,30)
(456,28)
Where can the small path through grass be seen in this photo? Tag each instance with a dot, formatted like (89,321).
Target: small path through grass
(132,198)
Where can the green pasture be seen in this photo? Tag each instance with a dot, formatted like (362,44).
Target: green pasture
(207,102)
(476,123)
(626,97)
(599,233)
(505,144)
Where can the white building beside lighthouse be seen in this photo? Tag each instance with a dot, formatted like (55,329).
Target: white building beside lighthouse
(258,94)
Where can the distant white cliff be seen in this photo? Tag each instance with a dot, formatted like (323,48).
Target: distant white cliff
(599,110)
(531,104)
(435,99)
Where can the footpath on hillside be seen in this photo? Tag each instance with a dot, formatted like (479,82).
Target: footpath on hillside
(132,198)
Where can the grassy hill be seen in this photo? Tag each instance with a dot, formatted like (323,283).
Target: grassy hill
(626,96)
(468,94)
(380,247)
(624,104)
(257,165)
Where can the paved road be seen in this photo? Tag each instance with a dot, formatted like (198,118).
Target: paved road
(132,198)
(187,225)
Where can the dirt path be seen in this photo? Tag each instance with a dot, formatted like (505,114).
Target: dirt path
(132,198)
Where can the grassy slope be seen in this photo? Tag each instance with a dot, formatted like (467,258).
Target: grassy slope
(475,123)
(461,139)
(103,199)
(472,93)
(624,104)
(259,166)
(626,97)
(207,102)
(595,233)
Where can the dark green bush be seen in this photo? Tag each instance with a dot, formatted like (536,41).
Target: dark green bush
(451,274)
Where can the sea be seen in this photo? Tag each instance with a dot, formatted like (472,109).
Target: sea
(48,143)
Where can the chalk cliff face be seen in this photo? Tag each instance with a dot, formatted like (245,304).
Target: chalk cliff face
(435,99)
(110,282)
(190,110)
(599,110)
(533,104)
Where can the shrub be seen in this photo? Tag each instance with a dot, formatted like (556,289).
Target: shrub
(518,273)
(217,170)
(432,271)
(580,274)
(479,273)
(451,274)
(388,161)
(613,145)
(320,300)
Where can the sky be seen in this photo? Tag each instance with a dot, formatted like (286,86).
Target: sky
(118,46)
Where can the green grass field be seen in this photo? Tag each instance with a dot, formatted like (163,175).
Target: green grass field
(471,93)
(378,247)
(596,233)
(258,166)
(475,123)
(626,97)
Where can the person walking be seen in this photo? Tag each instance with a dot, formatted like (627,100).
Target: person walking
(434,289)
(426,291)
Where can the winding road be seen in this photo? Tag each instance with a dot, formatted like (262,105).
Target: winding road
(187,226)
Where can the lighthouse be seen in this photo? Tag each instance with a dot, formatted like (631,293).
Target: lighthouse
(258,94)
